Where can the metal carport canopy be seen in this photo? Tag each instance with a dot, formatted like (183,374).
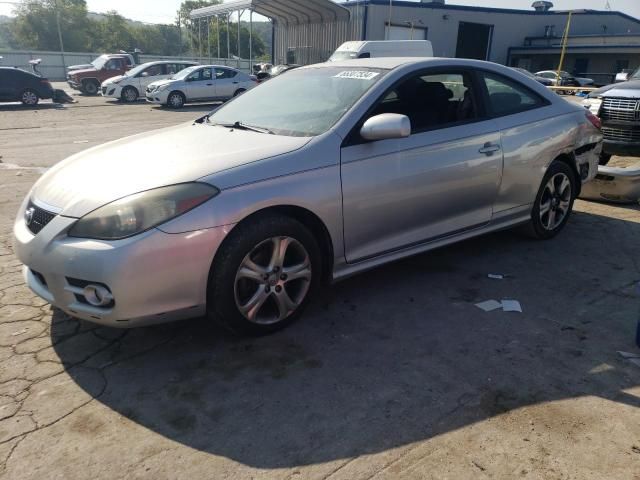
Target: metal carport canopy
(285,11)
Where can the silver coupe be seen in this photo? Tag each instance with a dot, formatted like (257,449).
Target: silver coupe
(324,172)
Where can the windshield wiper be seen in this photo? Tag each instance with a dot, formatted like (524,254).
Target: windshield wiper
(246,126)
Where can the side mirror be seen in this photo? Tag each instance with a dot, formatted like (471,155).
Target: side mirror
(386,126)
(622,77)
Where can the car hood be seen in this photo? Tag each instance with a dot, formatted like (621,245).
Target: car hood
(80,67)
(158,83)
(183,153)
(624,89)
(111,80)
(83,71)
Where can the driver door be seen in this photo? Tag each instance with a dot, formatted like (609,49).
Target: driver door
(441,180)
(201,85)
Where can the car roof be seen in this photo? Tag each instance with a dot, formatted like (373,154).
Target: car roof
(390,63)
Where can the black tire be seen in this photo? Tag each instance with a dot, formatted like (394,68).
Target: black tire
(536,228)
(604,158)
(90,87)
(240,91)
(176,100)
(223,286)
(29,97)
(129,94)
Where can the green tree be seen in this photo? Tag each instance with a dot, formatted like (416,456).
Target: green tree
(111,34)
(35,24)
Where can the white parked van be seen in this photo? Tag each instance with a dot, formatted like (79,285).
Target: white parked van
(383,48)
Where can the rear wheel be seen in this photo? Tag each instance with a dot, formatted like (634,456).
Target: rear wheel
(90,87)
(176,100)
(129,94)
(264,275)
(29,97)
(554,202)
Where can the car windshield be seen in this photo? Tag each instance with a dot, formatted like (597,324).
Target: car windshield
(343,55)
(302,103)
(99,62)
(135,71)
(182,74)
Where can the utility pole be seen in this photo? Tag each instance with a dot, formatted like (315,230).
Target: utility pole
(565,40)
(64,63)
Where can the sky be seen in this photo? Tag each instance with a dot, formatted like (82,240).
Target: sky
(164,11)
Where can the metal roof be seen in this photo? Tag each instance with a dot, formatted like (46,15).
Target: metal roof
(286,11)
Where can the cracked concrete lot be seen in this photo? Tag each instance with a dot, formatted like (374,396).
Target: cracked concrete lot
(392,374)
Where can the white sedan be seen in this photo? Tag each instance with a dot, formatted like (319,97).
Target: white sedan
(132,85)
(200,83)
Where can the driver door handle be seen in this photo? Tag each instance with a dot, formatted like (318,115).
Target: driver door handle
(489,149)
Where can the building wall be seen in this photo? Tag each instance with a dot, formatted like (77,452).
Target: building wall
(510,28)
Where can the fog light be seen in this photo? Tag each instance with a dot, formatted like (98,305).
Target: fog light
(97,295)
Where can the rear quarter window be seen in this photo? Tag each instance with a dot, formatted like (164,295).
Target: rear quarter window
(506,96)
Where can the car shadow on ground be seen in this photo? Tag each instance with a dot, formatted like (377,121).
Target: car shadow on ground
(390,357)
(9,107)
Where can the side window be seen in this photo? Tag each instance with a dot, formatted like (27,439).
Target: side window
(154,70)
(222,73)
(196,76)
(432,101)
(508,96)
(172,68)
(112,64)
(206,74)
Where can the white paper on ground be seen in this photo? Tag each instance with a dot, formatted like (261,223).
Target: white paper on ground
(495,276)
(489,305)
(511,306)
(628,355)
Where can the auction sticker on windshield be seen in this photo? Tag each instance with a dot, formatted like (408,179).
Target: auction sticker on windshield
(358,75)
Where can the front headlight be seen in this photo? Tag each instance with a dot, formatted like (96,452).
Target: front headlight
(140,212)
(593,104)
(162,87)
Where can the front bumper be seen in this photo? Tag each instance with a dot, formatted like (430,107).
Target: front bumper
(154,277)
(628,149)
(159,98)
(74,84)
(111,90)
(613,184)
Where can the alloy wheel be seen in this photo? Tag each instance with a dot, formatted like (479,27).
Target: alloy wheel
(130,95)
(175,100)
(273,280)
(555,201)
(29,98)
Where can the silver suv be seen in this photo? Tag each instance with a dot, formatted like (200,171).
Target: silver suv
(618,106)
(200,83)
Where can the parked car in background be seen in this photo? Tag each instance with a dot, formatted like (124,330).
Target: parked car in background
(18,85)
(275,71)
(544,81)
(133,84)
(382,48)
(200,83)
(565,79)
(88,80)
(618,106)
(324,172)
(129,59)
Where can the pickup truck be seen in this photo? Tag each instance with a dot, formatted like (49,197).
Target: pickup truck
(618,106)
(88,80)
(131,60)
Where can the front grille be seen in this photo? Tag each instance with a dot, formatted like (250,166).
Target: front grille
(621,134)
(39,218)
(624,109)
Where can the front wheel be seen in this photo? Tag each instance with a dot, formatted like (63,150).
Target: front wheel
(90,87)
(263,275)
(129,94)
(554,202)
(29,97)
(175,100)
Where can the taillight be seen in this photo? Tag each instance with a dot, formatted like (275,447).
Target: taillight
(45,82)
(595,121)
